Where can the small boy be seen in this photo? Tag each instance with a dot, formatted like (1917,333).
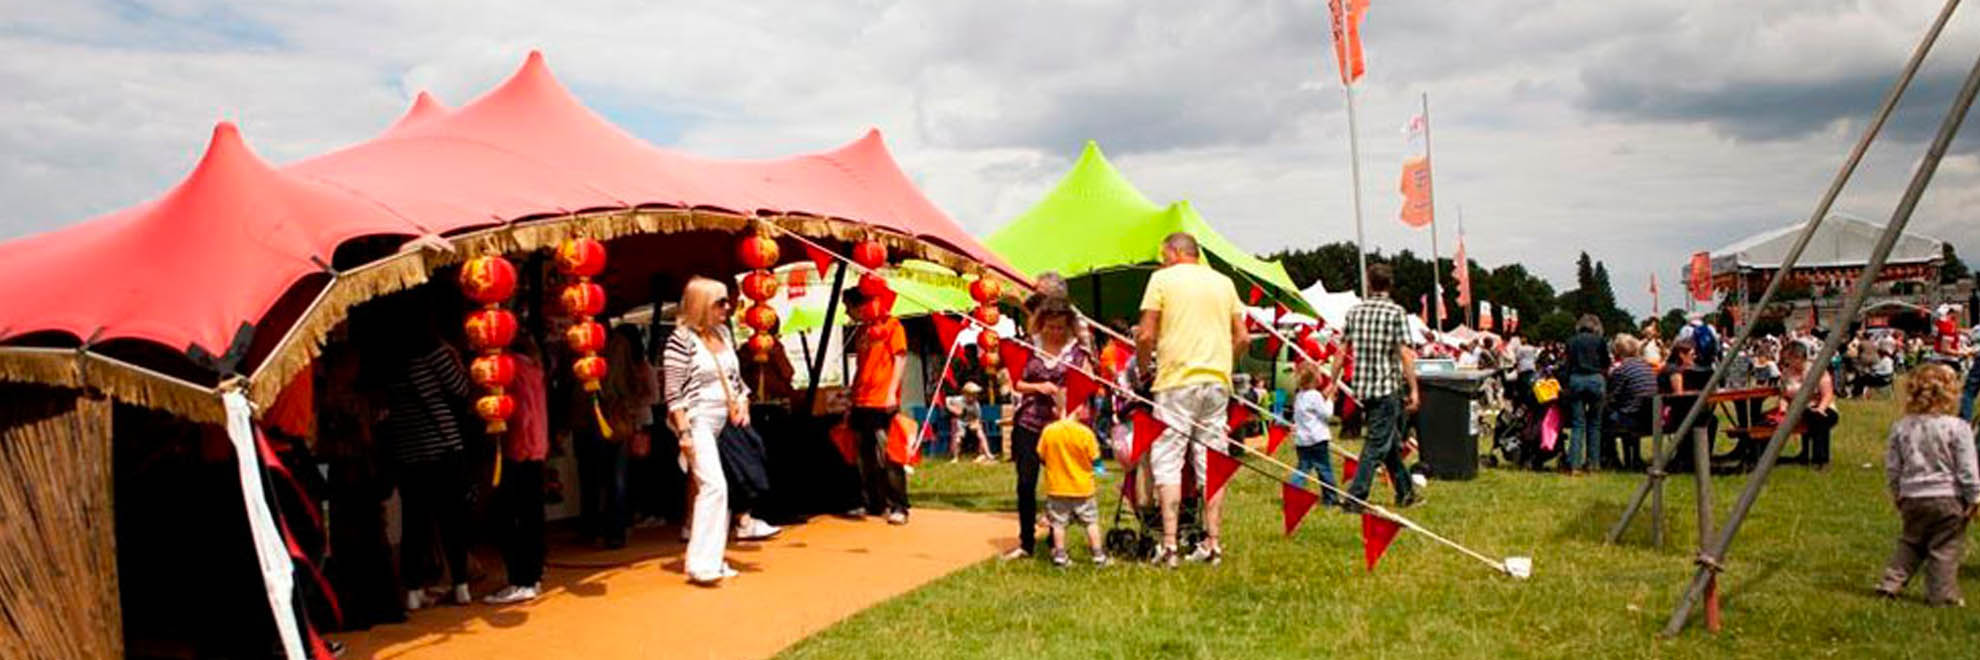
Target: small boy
(1068,449)
(1934,481)
(1312,408)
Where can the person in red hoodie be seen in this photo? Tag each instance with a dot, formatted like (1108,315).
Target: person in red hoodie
(519,496)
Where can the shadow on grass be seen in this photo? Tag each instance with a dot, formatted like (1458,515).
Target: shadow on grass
(1592,523)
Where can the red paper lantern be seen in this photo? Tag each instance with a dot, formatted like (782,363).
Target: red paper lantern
(796,280)
(488,279)
(490,329)
(876,309)
(590,369)
(757,252)
(760,317)
(494,371)
(987,340)
(870,254)
(878,332)
(581,257)
(496,410)
(760,286)
(585,337)
(984,290)
(987,315)
(582,299)
(872,284)
(760,345)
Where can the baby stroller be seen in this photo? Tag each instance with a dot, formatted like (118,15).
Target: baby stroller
(1136,531)
(1518,430)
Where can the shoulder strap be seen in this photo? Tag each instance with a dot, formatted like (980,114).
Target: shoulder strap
(721,373)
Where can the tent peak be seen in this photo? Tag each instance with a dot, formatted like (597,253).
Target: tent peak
(424,108)
(226,153)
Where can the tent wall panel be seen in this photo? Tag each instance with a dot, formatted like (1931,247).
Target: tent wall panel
(58,550)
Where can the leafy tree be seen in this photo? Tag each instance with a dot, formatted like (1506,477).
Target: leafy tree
(1954,270)
(1671,323)
(1557,325)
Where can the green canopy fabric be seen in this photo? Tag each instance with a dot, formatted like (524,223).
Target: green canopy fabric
(1104,236)
(923,288)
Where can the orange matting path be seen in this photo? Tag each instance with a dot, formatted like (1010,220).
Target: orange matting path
(636,602)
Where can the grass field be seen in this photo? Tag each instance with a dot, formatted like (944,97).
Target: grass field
(1798,579)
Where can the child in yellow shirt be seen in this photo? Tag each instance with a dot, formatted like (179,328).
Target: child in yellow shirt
(1068,449)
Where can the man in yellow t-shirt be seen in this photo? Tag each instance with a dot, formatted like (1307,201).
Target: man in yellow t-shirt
(1068,448)
(1191,327)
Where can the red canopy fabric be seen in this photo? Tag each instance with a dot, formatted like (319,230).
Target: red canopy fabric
(218,251)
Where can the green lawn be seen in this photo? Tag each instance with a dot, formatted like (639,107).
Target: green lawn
(1798,579)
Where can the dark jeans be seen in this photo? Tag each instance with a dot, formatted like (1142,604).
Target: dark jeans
(602,465)
(1815,428)
(885,482)
(1382,446)
(519,517)
(1318,460)
(1585,392)
(1968,393)
(1024,455)
(434,498)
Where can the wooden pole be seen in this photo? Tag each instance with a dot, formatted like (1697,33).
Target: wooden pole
(1709,562)
(824,340)
(1822,207)
(1657,469)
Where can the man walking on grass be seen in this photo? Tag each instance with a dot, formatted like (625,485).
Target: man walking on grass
(1191,327)
(1384,363)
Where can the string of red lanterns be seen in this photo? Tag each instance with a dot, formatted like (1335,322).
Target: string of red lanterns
(985,292)
(581,259)
(758,253)
(490,280)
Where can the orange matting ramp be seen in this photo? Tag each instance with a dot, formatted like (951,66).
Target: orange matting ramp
(636,602)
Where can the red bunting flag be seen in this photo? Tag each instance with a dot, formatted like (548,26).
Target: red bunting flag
(947,328)
(820,258)
(1275,435)
(1079,390)
(1238,417)
(1295,502)
(1221,466)
(1279,312)
(1256,294)
(1015,357)
(1348,466)
(1272,344)
(1376,535)
(1146,430)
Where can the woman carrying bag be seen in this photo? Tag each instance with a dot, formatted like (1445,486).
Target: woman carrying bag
(704,394)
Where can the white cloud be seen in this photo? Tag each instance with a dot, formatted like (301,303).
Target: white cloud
(1637,131)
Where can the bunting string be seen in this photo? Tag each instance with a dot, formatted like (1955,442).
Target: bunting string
(1281,477)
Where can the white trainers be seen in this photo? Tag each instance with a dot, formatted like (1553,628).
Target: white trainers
(1101,561)
(416,600)
(512,594)
(1059,559)
(1207,555)
(1015,554)
(1167,556)
(897,518)
(757,530)
(729,571)
(461,595)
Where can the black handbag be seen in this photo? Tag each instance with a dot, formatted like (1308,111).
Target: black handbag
(741,451)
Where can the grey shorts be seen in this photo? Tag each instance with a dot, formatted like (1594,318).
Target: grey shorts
(1197,411)
(1065,511)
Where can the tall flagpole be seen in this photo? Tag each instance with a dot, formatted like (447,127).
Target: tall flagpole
(1436,267)
(1354,166)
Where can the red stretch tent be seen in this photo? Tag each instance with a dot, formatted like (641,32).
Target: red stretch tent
(218,251)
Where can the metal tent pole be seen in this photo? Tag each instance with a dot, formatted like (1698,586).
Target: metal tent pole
(817,365)
(1708,562)
(1794,252)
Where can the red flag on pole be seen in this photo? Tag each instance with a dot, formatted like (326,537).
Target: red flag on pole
(1256,294)
(1700,275)
(1461,271)
(1346,15)
(1146,430)
(1275,435)
(1296,502)
(1079,389)
(1656,303)
(1015,357)
(1376,535)
(1220,466)
(820,258)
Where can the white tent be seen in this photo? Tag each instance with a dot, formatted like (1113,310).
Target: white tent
(1333,307)
(1842,241)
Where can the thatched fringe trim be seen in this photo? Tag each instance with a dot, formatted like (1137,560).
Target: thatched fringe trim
(305,340)
(49,366)
(123,381)
(58,556)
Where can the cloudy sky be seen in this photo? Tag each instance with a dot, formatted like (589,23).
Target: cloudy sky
(1637,130)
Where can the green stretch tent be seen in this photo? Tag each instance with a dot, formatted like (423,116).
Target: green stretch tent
(1105,237)
(923,288)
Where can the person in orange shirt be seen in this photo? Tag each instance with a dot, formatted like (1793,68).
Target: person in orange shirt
(876,398)
(1067,447)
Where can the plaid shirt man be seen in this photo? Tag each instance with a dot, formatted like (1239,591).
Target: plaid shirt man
(1377,329)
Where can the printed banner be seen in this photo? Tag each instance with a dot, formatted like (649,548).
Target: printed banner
(1346,20)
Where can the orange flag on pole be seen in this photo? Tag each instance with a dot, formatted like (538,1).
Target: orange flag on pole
(1346,15)
(1415,187)
(1461,271)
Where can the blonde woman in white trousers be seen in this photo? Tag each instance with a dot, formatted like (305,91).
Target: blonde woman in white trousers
(704,391)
